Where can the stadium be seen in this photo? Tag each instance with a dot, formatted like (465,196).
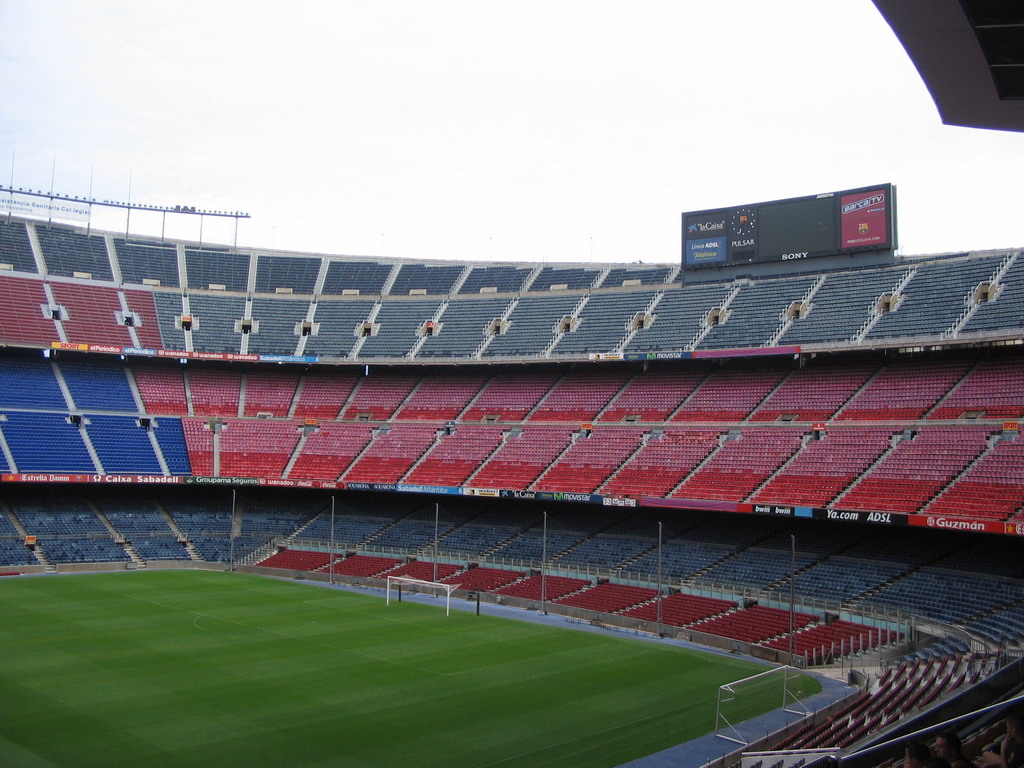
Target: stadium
(793,448)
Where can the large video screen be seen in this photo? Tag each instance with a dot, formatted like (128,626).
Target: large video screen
(789,230)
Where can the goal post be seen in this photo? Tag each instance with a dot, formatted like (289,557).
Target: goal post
(742,699)
(420,585)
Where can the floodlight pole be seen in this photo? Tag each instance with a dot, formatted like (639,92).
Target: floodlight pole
(659,580)
(128,218)
(543,566)
(53,175)
(330,551)
(88,227)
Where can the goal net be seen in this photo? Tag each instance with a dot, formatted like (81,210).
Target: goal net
(397,583)
(741,700)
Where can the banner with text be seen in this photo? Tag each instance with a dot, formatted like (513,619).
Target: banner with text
(19,204)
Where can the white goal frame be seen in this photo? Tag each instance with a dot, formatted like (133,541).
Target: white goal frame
(728,692)
(398,581)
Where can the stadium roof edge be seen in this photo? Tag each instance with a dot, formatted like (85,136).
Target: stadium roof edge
(970,55)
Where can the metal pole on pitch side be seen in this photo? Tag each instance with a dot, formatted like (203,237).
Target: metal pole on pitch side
(231,533)
(543,566)
(792,593)
(330,551)
(659,580)
(437,507)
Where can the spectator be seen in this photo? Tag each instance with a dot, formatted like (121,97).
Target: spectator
(1010,752)
(936,762)
(915,753)
(949,747)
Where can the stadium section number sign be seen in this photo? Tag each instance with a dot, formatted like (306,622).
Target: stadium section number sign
(787,230)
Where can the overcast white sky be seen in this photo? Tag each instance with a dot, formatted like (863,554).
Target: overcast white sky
(541,130)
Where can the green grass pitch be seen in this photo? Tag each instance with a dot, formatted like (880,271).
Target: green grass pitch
(187,668)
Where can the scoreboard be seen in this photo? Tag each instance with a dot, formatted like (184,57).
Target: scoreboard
(789,230)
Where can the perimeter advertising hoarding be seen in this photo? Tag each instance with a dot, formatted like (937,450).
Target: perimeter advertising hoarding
(789,230)
(970,525)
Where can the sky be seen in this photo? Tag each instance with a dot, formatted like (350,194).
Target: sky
(540,131)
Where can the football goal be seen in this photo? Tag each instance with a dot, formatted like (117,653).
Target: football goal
(738,700)
(396,583)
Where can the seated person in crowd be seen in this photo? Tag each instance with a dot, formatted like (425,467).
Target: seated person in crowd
(949,747)
(915,753)
(1009,753)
